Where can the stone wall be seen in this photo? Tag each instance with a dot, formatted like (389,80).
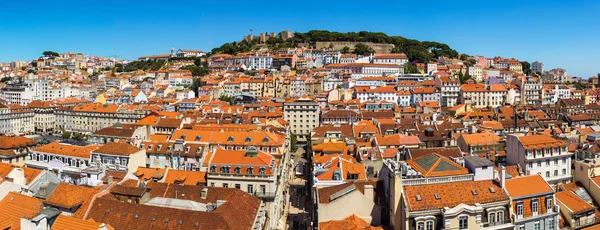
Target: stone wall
(378,47)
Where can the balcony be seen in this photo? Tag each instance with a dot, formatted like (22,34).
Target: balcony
(504,224)
(438,180)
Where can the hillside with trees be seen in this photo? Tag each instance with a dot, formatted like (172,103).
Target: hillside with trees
(423,51)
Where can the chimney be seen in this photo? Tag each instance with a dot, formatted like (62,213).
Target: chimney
(502,177)
(369,191)
(110,179)
(102,227)
(203,193)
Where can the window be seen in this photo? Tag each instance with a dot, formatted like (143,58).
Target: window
(549,204)
(500,217)
(429,225)
(548,174)
(534,207)
(550,225)
(536,225)
(262,171)
(250,171)
(539,164)
(263,188)
(238,186)
(250,188)
(547,162)
(212,184)
(520,210)
(237,170)
(492,218)
(463,222)
(420,226)
(225,185)
(564,160)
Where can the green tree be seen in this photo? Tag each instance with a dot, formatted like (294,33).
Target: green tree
(50,54)
(66,134)
(196,84)
(526,68)
(363,49)
(226,98)
(293,142)
(578,85)
(463,77)
(196,70)
(346,50)
(77,136)
(5,79)
(410,68)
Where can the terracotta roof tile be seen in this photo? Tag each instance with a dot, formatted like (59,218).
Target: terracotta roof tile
(117,148)
(524,186)
(69,196)
(452,194)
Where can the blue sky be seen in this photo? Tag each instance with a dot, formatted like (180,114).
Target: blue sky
(559,33)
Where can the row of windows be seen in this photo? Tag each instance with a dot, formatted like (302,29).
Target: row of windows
(237,170)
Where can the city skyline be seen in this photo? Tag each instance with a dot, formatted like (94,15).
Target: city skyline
(526,31)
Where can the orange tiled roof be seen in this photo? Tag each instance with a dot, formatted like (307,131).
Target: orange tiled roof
(185,177)
(16,206)
(423,197)
(352,222)
(524,186)
(117,148)
(63,222)
(69,196)
(540,141)
(572,202)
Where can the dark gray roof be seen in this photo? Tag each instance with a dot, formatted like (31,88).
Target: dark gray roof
(478,161)
(428,161)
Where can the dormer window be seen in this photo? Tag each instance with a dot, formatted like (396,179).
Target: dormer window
(187,149)
(248,139)
(238,170)
(213,169)
(198,138)
(224,169)
(265,140)
(262,171)
(230,139)
(250,170)
(149,147)
(159,147)
(183,136)
(169,148)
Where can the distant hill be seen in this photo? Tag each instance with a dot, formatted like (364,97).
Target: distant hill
(423,51)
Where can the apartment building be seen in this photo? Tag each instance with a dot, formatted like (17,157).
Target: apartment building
(359,70)
(443,205)
(390,58)
(540,154)
(17,93)
(93,117)
(375,94)
(69,161)
(449,90)
(482,96)
(117,156)
(425,94)
(303,114)
(532,202)
(537,67)
(531,90)
(15,149)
